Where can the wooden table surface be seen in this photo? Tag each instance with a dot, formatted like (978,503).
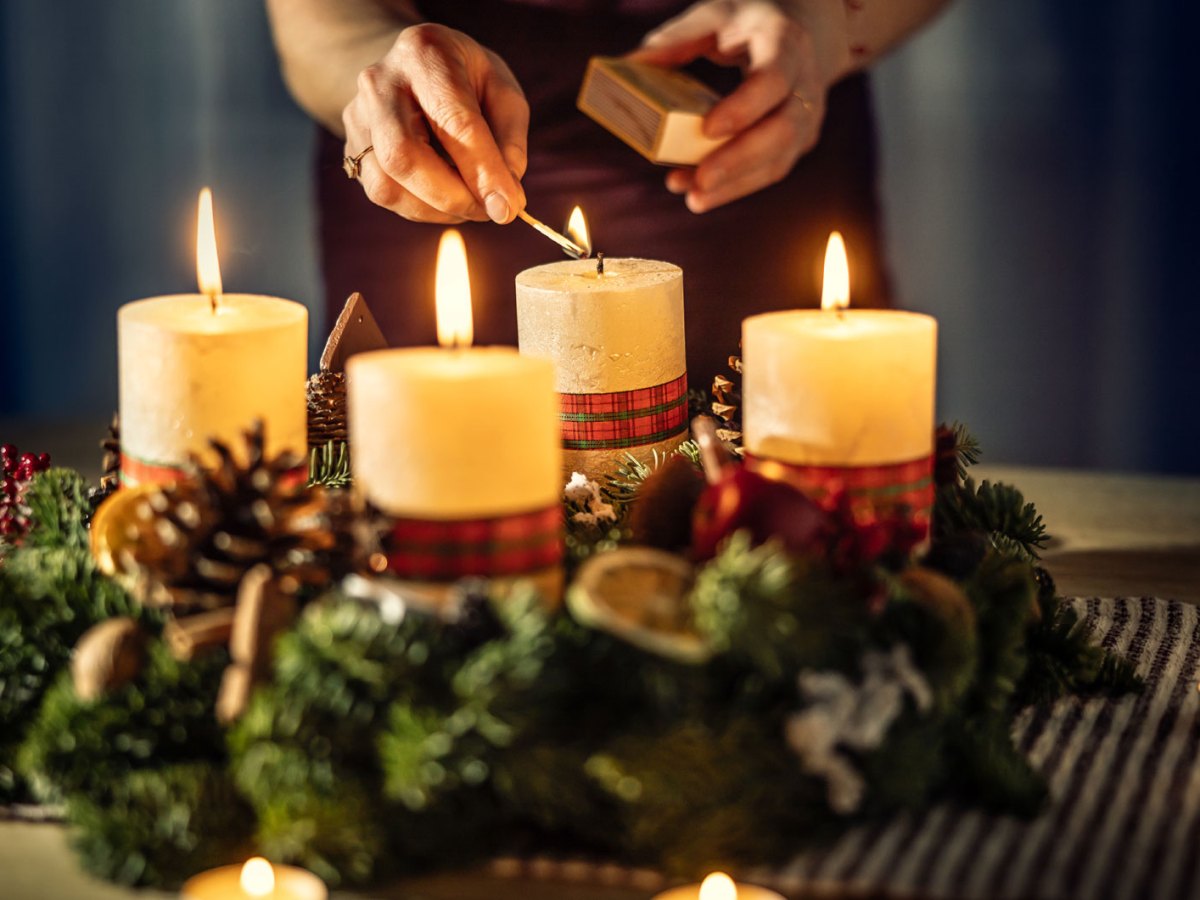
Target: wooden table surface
(1113,535)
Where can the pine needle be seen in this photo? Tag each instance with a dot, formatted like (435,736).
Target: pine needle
(329,466)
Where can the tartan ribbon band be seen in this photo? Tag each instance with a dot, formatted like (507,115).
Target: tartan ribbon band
(136,472)
(625,418)
(447,550)
(871,489)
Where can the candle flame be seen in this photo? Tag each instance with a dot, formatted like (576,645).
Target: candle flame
(577,231)
(208,268)
(835,291)
(258,878)
(718,886)
(452,293)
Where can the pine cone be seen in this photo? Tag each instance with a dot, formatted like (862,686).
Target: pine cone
(190,544)
(326,409)
(726,406)
(110,477)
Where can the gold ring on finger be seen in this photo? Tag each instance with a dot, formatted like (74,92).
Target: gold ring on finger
(352,165)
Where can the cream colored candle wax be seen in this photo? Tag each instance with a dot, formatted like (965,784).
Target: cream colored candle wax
(200,366)
(843,399)
(459,446)
(851,388)
(453,433)
(616,339)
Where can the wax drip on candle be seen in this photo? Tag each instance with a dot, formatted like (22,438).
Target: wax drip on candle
(208,267)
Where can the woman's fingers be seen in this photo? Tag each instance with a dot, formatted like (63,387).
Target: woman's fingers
(442,87)
(790,53)
(384,191)
(383,187)
(772,43)
(756,158)
(436,84)
(680,181)
(404,152)
(507,111)
(675,53)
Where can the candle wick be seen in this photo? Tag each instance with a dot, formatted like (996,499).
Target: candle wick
(214,298)
(599,263)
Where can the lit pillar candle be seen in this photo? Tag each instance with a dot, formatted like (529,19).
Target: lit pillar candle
(256,879)
(459,445)
(617,343)
(840,398)
(200,366)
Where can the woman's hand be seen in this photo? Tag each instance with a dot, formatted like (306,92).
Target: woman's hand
(791,52)
(437,83)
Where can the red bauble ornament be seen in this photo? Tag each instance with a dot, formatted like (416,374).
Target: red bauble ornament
(737,499)
(745,500)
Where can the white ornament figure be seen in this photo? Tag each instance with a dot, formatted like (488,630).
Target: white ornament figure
(844,716)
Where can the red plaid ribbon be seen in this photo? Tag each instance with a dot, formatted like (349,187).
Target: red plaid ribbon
(136,471)
(446,550)
(625,418)
(871,489)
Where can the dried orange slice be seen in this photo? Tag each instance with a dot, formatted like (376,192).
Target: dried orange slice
(639,595)
(114,525)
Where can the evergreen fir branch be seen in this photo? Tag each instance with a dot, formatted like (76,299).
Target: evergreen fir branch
(1015,526)
(48,597)
(631,473)
(777,614)
(165,716)
(329,466)
(967,450)
(157,826)
(1003,593)
(304,754)
(1063,660)
(690,798)
(60,510)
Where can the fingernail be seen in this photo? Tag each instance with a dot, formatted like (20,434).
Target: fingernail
(497,207)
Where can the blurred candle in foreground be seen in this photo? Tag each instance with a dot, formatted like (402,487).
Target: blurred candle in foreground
(843,399)
(207,365)
(719,886)
(256,879)
(459,445)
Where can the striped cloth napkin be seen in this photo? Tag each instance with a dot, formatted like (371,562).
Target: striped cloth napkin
(1124,775)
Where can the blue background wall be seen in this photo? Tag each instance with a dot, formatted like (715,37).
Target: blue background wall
(1040,179)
